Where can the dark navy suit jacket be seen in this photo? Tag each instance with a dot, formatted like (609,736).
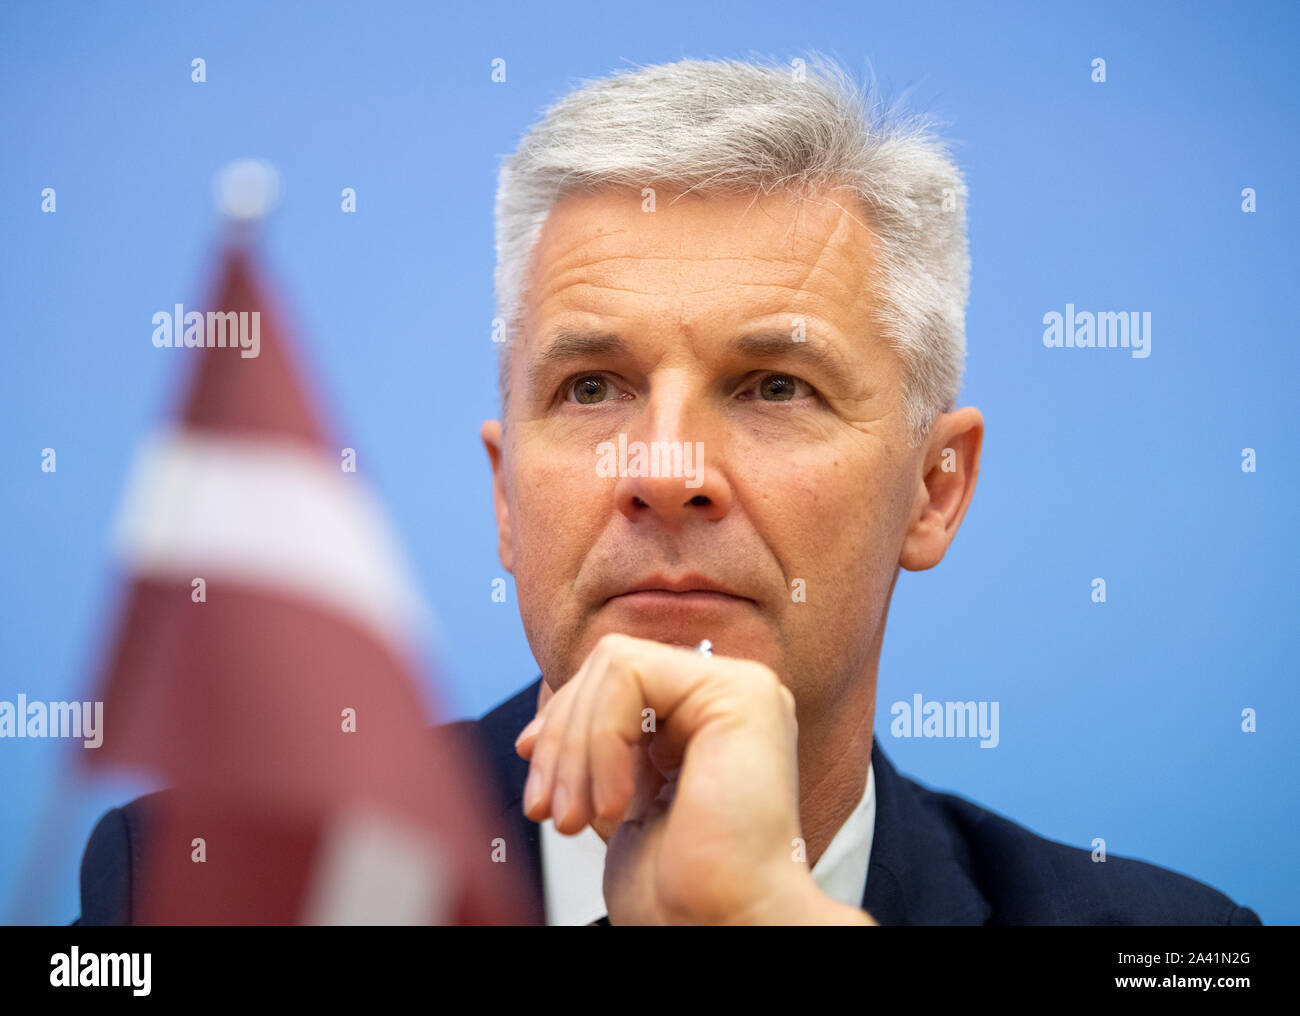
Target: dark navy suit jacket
(935,858)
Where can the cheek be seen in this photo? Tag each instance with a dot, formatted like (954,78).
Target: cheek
(825,513)
(557,506)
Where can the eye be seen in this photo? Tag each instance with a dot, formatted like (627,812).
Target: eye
(780,388)
(590,389)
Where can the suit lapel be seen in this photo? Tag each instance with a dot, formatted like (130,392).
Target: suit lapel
(916,875)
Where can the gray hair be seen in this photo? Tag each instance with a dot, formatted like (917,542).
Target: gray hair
(725,126)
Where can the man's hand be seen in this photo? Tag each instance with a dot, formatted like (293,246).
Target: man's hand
(686,766)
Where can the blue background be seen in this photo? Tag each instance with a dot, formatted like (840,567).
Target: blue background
(1119,721)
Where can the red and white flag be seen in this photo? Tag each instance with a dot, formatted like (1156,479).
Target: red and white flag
(263,666)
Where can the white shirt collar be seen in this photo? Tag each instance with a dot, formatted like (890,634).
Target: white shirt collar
(573,867)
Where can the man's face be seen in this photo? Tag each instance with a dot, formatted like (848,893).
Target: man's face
(739,328)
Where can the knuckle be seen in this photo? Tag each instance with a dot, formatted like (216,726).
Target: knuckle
(547,741)
(608,647)
(764,681)
(763,677)
(609,641)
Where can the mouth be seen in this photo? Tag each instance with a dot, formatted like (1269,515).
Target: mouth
(666,597)
(685,591)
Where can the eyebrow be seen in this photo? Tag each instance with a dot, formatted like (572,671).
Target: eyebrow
(776,344)
(572,345)
(781,345)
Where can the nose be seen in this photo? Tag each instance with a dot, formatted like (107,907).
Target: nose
(672,472)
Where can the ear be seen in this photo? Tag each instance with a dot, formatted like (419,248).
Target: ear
(949,468)
(491,435)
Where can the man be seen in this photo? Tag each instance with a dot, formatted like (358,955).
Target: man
(734,299)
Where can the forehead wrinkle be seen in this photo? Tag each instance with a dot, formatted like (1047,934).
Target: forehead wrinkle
(551,266)
(836,244)
(819,299)
(558,278)
(560,256)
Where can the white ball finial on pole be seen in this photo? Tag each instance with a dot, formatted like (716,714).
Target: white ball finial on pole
(247,190)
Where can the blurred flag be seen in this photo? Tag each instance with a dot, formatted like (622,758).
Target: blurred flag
(263,668)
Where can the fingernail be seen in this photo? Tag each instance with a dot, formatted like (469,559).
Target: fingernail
(559,802)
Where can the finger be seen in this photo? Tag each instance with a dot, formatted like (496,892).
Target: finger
(571,806)
(528,736)
(742,702)
(615,753)
(527,740)
(646,784)
(537,791)
(624,726)
(668,748)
